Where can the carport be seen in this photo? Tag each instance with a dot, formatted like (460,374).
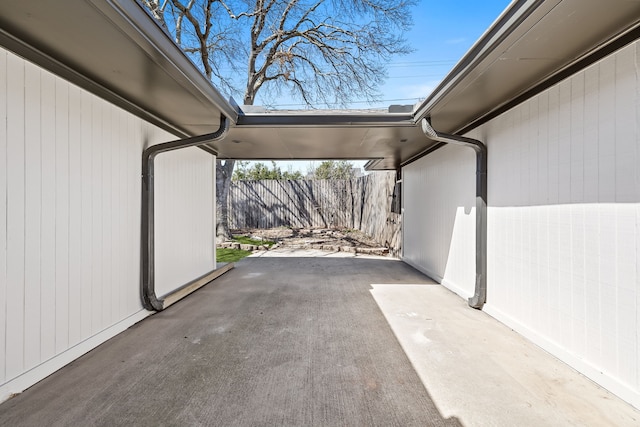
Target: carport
(498,72)
(280,341)
(297,341)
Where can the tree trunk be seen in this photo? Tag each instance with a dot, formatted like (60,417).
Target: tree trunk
(224,172)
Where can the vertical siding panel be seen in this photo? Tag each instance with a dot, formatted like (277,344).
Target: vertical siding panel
(637,253)
(554,272)
(543,211)
(184,245)
(33,212)
(86,216)
(530,230)
(62,214)
(75,216)
(608,292)
(637,256)
(606,132)
(443,245)
(116,212)
(626,90)
(528,146)
(133,146)
(578,309)
(48,219)
(626,309)
(593,308)
(591,141)
(4,99)
(626,126)
(593,318)
(577,138)
(578,290)
(553,245)
(564,216)
(564,142)
(106,139)
(15,217)
(120,205)
(543,148)
(554,145)
(97,212)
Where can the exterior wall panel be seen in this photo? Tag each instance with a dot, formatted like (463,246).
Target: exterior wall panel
(439,217)
(584,290)
(70,212)
(3,211)
(563,219)
(185,236)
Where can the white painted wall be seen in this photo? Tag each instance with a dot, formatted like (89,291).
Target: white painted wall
(185,235)
(563,220)
(70,196)
(439,216)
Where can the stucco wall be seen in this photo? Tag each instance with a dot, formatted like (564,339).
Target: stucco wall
(563,220)
(70,174)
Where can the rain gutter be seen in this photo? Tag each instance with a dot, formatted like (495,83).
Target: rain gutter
(480,294)
(135,21)
(150,300)
(505,24)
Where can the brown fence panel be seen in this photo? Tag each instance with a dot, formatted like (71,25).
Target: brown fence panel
(362,203)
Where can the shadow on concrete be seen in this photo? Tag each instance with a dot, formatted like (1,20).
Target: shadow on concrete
(274,342)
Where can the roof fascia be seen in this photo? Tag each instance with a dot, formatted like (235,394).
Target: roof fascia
(325,120)
(37,56)
(502,27)
(154,40)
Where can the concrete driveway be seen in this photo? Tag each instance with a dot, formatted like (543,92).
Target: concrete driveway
(317,341)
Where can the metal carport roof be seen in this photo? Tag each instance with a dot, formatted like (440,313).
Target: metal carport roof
(116,50)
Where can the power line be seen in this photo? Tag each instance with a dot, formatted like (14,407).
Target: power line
(413,64)
(422,76)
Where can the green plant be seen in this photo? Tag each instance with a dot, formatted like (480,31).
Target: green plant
(230,255)
(249,241)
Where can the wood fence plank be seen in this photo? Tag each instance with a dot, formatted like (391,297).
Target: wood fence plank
(362,203)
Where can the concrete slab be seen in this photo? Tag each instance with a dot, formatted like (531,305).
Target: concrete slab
(485,374)
(317,341)
(274,342)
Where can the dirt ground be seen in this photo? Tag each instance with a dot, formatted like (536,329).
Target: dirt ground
(346,240)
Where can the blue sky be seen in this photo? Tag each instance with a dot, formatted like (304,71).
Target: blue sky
(443,32)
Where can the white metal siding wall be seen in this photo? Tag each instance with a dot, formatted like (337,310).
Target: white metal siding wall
(185,241)
(564,220)
(69,220)
(439,217)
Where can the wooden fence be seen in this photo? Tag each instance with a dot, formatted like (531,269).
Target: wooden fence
(362,203)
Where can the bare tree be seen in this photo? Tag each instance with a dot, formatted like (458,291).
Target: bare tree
(322,52)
